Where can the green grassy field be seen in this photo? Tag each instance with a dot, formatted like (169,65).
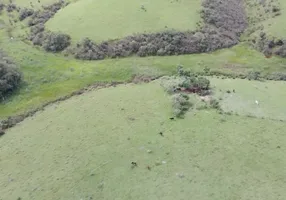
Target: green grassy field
(269,94)
(50,76)
(83,148)
(273,26)
(102,20)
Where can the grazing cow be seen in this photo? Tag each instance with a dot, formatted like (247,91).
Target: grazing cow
(134,164)
(257,103)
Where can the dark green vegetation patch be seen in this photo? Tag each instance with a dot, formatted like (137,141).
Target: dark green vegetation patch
(10,77)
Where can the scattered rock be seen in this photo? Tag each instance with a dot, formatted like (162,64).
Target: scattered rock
(164,162)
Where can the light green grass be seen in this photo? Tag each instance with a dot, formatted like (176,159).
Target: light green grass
(50,76)
(80,149)
(271,96)
(112,19)
(274,26)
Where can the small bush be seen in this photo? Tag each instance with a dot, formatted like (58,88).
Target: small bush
(87,50)
(55,42)
(42,16)
(192,82)
(171,84)
(215,104)
(180,104)
(10,77)
(281,51)
(24,13)
(2,5)
(253,75)
(11,7)
(203,83)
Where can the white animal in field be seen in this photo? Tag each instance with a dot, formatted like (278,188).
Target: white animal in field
(257,103)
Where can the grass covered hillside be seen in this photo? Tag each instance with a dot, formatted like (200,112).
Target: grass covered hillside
(102,20)
(83,148)
(163,99)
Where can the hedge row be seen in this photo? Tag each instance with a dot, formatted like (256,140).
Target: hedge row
(224,22)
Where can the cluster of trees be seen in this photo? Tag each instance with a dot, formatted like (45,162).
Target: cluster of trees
(25,12)
(9,7)
(10,77)
(155,44)
(42,16)
(50,41)
(181,85)
(270,46)
(224,22)
(192,83)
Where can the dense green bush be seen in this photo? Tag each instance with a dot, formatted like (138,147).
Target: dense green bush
(215,104)
(87,50)
(277,76)
(281,51)
(55,42)
(180,104)
(192,83)
(171,84)
(253,75)
(42,16)
(24,13)
(2,5)
(11,7)
(10,77)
